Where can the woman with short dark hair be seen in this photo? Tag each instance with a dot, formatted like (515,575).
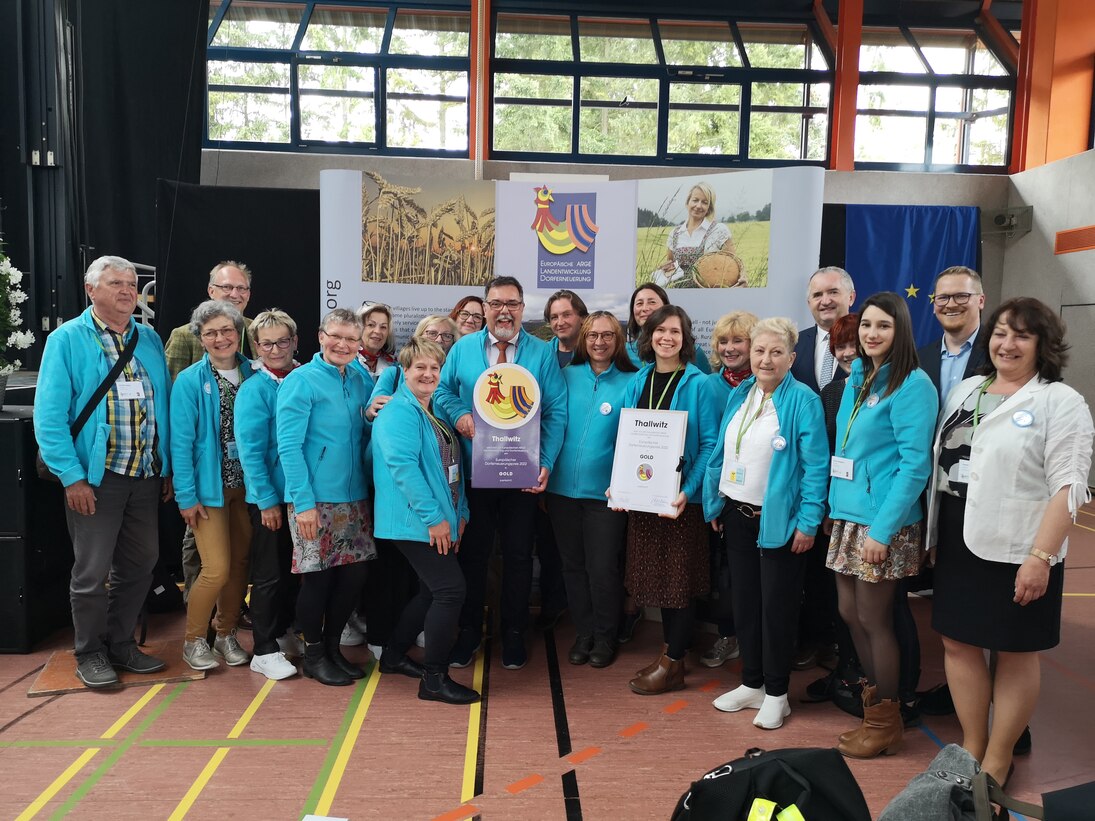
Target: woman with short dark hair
(1012,455)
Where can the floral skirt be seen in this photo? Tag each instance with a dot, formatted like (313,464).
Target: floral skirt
(668,561)
(345,536)
(902,560)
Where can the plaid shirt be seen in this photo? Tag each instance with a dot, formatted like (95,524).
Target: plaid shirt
(183,349)
(132,447)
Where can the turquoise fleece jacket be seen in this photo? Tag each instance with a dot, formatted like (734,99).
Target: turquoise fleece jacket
(195,434)
(890,445)
(256,405)
(584,467)
(720,388)
(466,362)
(322,434)
(798,476)
(412,488)
(73,366)
(693,394)
(699,360)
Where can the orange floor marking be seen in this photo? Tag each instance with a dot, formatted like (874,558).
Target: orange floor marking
(675,707)
(634,729)
(460,813)
(524,784)
(714,684)
(583,755)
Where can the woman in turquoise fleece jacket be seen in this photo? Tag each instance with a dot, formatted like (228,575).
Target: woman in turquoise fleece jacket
(880,467)
(321,443)
(590,535)
(668,558)
(209,483)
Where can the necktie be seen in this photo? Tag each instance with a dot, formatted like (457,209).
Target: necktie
(501,346)
(827,365)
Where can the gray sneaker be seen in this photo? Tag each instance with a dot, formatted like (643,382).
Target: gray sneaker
(197,654)
(95,671)
(228,648)
(724,648)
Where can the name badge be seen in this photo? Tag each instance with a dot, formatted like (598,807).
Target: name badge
(840,468)
(1022,419)
(964,471)
(735,473)
(454,473)
(606,409)
(129,389)
(778,442)
(872,400)
(232,451)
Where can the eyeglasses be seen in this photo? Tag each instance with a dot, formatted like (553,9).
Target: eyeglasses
(352,341)
(214,333)
(239,289)
(464,316)
(445,337)
(959,299)
(281,344)
(607,336)
(499,304)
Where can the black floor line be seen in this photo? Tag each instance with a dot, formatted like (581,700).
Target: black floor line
(571,798)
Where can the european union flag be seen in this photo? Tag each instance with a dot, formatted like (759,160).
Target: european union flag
(902,248)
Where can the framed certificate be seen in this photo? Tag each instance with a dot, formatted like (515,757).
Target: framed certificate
(646,470)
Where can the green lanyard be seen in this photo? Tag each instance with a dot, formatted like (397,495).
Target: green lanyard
(863,392)
(744,426)
(127,371)
(665,390)
(977,406)
(444,431)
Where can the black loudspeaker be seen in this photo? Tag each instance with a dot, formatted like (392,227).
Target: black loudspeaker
(35,550)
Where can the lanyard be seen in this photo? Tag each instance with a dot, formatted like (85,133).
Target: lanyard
(665,390)
(863,392)
(977,406)
(444,431)
(127,371)
(744,426)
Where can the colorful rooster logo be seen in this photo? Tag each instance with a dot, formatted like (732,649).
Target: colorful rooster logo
(576,231)
(517,405)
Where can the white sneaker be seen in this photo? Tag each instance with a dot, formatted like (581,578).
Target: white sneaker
(772,712)
(357,622)
(420,640)
(351,636)
(740,698)
(291,645)
(376,650)
(273,665)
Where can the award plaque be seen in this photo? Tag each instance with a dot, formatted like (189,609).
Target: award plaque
(505,452)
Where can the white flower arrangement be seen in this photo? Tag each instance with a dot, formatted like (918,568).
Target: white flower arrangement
(11,317)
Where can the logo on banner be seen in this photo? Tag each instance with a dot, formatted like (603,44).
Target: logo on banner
(506,396)
(564,253)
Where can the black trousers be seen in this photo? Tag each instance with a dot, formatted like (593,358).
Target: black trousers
(436,607)
(553,591)
(766,588)
(591,538)
(273,587)
(327,598)
(511,514)
(819,617)
(390,585)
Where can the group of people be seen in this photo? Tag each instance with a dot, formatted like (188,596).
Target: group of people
(816,465)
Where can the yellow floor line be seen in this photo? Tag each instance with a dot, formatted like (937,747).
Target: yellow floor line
(131,713)
(47,794)
(1085,527)
(327,798)
(220,753)
(471,748)
(1085,595)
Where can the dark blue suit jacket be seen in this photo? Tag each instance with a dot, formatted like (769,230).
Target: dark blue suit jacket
(931,359)
(803,368)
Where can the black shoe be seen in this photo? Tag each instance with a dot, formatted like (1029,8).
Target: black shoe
(1023,745)
(937,701)
(549,618)
(805,658)
(439,687)
(341,662)
(821,689)
(129,657)
(627,626)
(95,671)
(322,669)
(910,714)
(579,651)
(467,645)
(404,665)
(602,654)
(514,655)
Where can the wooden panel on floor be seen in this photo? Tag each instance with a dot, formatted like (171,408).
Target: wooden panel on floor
(59,674)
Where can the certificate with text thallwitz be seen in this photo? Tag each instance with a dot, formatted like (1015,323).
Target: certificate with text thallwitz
(646,470)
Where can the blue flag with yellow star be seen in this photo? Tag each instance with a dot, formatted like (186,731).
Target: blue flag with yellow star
(902,248)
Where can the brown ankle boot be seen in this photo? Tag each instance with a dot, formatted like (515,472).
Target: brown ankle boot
(868,695)
(881,732)
(667,675)
(650,668)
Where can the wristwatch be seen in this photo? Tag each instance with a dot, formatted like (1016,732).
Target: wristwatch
(1049,558)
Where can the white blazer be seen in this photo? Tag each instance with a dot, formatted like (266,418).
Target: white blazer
(1035,443)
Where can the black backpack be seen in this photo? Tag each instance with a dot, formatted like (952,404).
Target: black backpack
(816,782)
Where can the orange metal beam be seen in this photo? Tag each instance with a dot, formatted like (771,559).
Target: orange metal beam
(479,91)
(1004,43)
(825,24)
(846,85)
(1023,83)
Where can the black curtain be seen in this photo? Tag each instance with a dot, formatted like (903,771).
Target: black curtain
(274,231)
(141,97)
